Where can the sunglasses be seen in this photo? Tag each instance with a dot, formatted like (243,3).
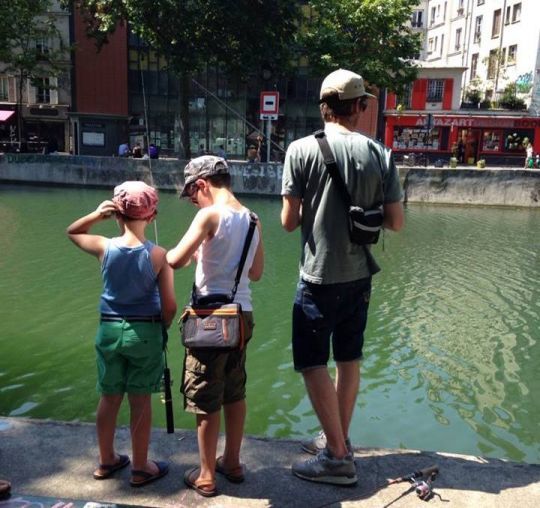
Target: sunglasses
(192,189)
(363,101)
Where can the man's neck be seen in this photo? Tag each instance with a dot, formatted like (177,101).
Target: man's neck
(345,123)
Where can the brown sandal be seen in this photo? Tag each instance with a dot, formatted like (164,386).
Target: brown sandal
(205,488)
(234,475)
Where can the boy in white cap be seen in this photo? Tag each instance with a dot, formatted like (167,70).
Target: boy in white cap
(137,302)
(335,274)
(217,379)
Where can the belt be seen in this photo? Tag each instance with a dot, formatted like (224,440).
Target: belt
(132,319)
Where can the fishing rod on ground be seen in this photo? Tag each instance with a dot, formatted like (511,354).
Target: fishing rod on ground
(421,483)
(166,397)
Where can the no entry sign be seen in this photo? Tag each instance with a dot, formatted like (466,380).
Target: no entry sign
(269,105)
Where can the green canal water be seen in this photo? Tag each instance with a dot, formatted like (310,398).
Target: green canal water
(452,350)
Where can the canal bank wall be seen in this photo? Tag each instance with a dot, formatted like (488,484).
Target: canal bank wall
(50,464)
(461,186)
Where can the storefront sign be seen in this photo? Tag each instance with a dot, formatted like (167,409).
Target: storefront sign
(471,121)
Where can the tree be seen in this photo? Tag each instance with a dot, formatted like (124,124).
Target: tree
(510,100)
(239,36)
(31,46)
(372,37)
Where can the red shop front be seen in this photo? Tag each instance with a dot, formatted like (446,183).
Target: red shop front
(499,139)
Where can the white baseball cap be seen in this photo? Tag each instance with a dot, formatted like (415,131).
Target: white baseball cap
(347,85)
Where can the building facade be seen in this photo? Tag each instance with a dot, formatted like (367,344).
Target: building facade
(496,40)
(44,103)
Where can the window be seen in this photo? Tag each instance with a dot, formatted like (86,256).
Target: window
(407,138)
(43,91)
(460,8)
(507,15)
(430,45)
(435,90)
(42,46)
(516,13)
(492,64)
(4,88)
(432,18)
(442,44)
(496,28)
(46,92)
(458,39)
(491,141)
(435,43)
(512,54)
(474,65)
(478,29)
(416,20)
(480,2)
(405,97)
(444,12)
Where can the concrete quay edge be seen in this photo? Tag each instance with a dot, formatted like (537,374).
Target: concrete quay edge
(56,459)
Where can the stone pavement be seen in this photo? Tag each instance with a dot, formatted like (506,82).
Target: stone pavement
(56,459)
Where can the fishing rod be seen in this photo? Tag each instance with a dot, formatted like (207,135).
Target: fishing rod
(421,483)
(167,393)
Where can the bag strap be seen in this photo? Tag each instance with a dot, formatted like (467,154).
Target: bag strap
(251,231)
(333,171)
(249,236)
(332,167)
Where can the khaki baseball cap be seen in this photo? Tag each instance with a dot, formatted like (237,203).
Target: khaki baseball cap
(203,167)
(347,85)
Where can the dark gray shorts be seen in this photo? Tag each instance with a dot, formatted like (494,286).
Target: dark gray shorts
(324,311)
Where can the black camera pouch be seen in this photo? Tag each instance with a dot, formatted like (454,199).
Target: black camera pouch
(365,225)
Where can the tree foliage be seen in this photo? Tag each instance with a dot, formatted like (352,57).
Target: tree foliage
(371,37)
(241,36)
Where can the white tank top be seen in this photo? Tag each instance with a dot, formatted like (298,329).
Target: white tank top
(218,258)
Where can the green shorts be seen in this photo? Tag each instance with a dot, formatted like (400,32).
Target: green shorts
(213,378)
(129,357)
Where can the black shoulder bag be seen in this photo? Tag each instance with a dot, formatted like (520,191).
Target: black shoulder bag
(364,225)
(215,321)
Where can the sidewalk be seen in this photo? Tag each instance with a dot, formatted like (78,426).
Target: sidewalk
(56,460)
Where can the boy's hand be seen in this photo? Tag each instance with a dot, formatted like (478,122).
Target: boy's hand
(106,209)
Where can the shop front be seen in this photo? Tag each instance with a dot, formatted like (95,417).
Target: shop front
(498,139)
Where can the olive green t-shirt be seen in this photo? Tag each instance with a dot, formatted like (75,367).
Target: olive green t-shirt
(368,170)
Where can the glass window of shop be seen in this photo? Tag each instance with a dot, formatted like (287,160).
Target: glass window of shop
(223,111)
(516,141)
(408,138)
(491,140)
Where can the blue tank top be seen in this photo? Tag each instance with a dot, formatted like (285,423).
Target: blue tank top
(130,285)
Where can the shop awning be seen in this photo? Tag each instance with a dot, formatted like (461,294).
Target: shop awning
(4,115)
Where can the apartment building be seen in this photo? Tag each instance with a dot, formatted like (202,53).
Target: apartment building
(497,40)
(473,49)
(44,106)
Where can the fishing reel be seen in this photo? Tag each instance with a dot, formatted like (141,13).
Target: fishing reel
(423,487)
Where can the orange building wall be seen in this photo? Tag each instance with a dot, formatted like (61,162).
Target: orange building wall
(101,78)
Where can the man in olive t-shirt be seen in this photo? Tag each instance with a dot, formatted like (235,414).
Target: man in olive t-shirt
(333,293)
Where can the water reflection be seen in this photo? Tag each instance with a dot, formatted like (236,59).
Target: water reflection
(451,350)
